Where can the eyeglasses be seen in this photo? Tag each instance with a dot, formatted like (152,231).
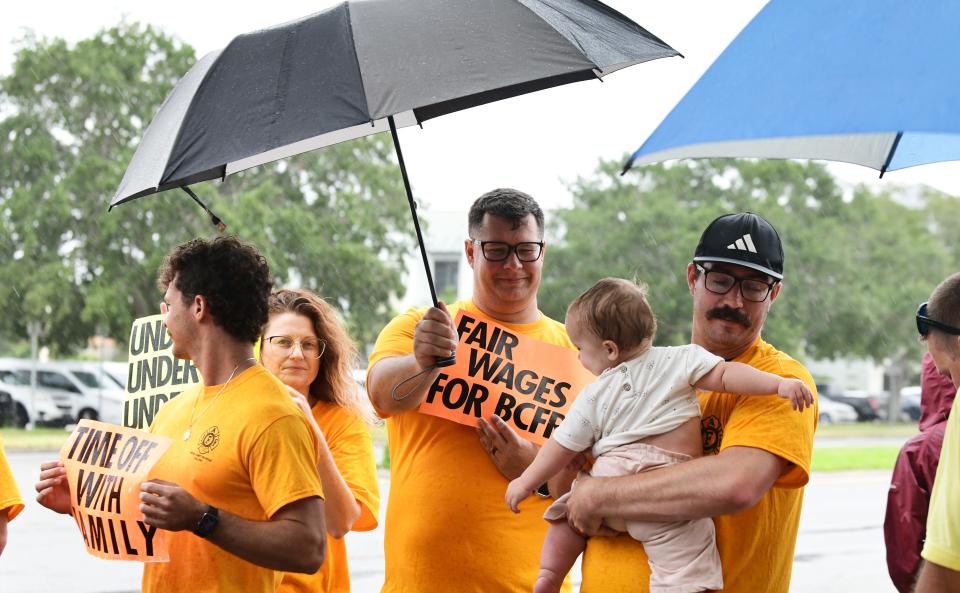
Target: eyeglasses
(310,347)
(924,323)
(526,251)
(751,289)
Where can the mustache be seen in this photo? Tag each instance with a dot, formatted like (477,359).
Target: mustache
(728,314)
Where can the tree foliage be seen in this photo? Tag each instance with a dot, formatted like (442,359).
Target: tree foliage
(857,263)
(334,221)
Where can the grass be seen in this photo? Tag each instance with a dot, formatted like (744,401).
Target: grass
(825,459)
(868,429)
(38,438)
(837,459)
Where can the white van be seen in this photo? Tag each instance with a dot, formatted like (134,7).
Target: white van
(40,407)
(88,391)
(101,396)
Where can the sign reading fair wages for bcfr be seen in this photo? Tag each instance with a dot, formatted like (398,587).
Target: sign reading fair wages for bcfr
(528,383)
(105,466)
(154,375)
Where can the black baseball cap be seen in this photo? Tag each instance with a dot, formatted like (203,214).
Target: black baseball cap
(745,239)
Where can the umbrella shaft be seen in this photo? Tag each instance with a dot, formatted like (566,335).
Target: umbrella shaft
(413,209)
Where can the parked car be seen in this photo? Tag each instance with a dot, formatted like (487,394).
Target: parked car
(868,406)
(834,412)
(29,406)
(77,388)
(910,403)
(101,396)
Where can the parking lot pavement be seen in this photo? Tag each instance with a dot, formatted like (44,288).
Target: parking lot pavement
(840,546)
(839,549)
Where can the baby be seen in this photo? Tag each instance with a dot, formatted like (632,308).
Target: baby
(641,413)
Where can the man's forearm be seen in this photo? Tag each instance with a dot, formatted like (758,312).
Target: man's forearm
(937,579)
(387,374)
(704,487)
(287,542)
(3,529)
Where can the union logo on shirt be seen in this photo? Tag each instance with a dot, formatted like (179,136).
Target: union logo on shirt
(711,429)
(207,443)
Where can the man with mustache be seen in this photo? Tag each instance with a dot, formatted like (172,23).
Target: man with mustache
(757,450)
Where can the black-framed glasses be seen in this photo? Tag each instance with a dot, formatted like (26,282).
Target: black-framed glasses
(924,323)
(310,347)
(527,251)
(751,289)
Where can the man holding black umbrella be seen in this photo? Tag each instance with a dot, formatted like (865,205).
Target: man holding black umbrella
(757,450)
(447,528)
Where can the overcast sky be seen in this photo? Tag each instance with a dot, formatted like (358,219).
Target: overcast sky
(534,143)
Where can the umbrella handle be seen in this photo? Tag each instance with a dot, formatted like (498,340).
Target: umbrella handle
(440,362)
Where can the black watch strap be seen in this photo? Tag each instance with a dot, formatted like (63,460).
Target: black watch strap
(543,490)
(208,522)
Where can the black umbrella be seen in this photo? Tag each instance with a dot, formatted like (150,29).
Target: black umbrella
(367,66)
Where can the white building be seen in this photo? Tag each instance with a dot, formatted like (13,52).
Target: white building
(444,234)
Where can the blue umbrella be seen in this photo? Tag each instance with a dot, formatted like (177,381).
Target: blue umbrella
(860,81)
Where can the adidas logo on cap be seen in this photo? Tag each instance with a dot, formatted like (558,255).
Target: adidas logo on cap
(744,243)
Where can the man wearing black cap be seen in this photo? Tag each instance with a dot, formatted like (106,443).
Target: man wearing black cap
(756,451)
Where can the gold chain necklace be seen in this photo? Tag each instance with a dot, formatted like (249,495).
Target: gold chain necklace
(186,433)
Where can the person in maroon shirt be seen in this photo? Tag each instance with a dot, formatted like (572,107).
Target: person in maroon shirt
(904,528)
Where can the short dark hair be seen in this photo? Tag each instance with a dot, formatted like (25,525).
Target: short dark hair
(944,304)
(509,204)
(230,274)
(617,310)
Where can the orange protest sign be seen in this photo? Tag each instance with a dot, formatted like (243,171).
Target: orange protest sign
(528,383)
(154,375)
(105,466)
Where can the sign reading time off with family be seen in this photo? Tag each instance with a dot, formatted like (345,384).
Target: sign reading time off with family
(528,383)
(105,466)
(154,375)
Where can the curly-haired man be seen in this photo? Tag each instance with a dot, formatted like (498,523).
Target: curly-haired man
(238,488)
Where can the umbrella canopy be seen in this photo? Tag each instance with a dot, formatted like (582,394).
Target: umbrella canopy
(858,81)
(346,72)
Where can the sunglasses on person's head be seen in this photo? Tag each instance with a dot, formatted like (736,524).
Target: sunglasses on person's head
(924,323)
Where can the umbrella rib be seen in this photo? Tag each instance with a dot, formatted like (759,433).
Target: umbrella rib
(413,208)
(221,226)
(893,149)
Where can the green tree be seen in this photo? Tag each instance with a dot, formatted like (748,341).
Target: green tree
(856,265)
(334,221)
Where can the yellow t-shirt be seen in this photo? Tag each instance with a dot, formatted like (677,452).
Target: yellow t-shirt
(448,527)
(10,502)
(756,545)
(942,546)
(348,438)
(251,452)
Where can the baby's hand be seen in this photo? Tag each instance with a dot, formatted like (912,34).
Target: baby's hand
(797,392)
(516,493)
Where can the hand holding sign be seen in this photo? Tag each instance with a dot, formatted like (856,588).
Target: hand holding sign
(506,449)
(168,506)
(53,491)
(434,337)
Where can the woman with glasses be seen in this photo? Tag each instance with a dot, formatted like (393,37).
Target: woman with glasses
(306,345)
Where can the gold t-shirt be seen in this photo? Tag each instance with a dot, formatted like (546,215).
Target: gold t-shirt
(348,438)
(447,526)
(756,545)
(250,453)
(10,502)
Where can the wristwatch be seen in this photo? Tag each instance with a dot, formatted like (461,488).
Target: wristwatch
(208,522)
(543,491)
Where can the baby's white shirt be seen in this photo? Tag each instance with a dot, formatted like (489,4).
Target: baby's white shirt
(648,395)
